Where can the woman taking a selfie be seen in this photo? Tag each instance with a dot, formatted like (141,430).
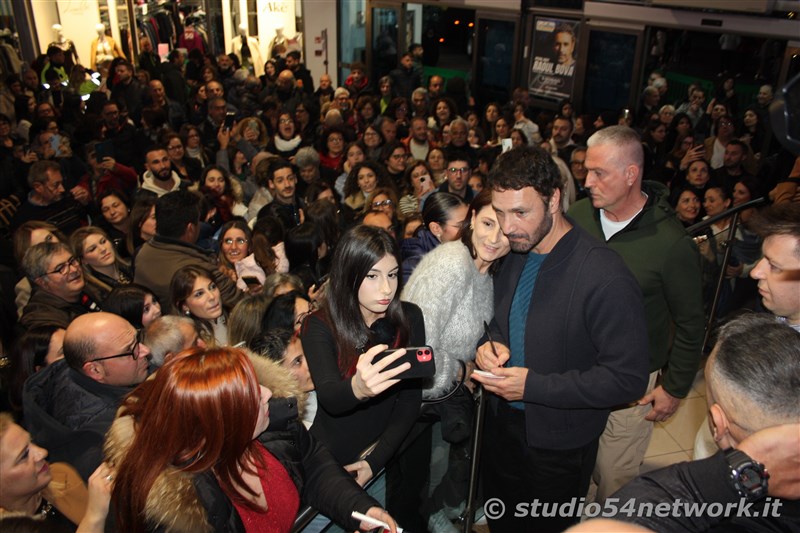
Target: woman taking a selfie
(361,316)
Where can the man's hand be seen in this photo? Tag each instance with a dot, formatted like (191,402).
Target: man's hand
(510,385)
(778,449)
(485,358)
(664,404)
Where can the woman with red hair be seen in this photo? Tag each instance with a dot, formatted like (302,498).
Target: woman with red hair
(193,452)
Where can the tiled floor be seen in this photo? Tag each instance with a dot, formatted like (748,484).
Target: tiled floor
(673,440)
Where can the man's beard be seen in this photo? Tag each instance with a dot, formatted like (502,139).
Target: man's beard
(539,233)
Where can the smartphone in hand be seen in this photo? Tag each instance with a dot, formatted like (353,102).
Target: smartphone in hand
(421,358)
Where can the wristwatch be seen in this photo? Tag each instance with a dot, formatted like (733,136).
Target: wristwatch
(748,477)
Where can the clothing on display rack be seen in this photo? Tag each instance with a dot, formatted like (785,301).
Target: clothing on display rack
(191,39)
(10,61)
(125,38)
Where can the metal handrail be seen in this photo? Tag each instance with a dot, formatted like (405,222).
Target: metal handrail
(727,245)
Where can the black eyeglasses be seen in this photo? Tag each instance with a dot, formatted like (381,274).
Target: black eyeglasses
(64,267)
(383,203)
(133,352)
(462,171)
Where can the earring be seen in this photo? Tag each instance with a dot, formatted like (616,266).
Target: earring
(187,313)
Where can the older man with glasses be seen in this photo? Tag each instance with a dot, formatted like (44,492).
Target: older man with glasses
(70,405)
(49,201)
(59,292)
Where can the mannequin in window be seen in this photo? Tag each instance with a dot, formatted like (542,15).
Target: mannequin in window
(104,48)
(248,50)
(70,53)
(279,39)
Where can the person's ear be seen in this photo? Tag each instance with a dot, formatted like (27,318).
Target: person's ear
(94,370)
(436,229)
(630,174)
(554,205)
(720,427)
(41,281)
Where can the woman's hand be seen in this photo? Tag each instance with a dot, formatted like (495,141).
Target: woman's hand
(81,194)
(317,294)
(101,483)
(362,470)
(252,290)
(468,383)
(378,514)
(695,154)
(108,163)
(371,379)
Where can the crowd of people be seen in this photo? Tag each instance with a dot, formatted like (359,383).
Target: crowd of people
(209,268)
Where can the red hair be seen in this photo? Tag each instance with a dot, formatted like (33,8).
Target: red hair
(197,414)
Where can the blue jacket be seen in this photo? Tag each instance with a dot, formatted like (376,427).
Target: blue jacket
(414,248)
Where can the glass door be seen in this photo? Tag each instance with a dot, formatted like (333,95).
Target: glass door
(386,40)
(494,58)
(612,57)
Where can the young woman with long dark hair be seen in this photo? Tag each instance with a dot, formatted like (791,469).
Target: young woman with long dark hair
(362,315)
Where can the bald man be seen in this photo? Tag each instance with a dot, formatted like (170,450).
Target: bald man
(70,405)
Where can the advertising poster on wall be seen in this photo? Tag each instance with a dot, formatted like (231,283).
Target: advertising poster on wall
(553,60)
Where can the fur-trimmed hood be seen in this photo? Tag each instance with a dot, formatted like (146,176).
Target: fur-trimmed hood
(173,502)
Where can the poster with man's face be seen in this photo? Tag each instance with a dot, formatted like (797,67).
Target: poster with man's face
(553,61)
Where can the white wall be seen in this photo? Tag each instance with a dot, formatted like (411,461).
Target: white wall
(45,14)
(319,15)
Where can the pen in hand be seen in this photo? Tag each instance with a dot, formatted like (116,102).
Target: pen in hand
(491,342)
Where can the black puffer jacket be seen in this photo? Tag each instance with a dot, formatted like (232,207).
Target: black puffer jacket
(68,414)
